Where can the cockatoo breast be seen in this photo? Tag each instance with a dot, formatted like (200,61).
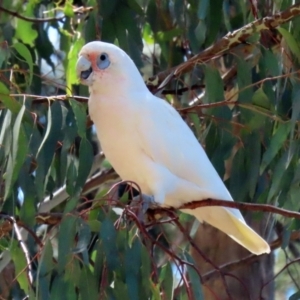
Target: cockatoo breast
(118,135)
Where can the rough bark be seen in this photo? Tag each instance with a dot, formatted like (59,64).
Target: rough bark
(247,280)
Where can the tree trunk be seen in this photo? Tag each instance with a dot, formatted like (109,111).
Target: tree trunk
(246,280)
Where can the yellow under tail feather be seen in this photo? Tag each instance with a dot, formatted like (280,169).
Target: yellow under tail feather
(239,231)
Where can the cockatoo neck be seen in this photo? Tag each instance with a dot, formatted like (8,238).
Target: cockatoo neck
(117,92)
(126,81)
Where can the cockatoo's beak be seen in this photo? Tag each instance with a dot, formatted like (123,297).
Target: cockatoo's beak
(83,68)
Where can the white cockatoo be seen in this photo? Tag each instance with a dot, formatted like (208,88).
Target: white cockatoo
(146,141)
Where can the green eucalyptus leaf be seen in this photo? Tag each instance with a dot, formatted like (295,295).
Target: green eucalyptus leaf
(18,153)
(44,270)
(71,74)
(203,9)
(276,144)
(87,285)
(66,238)
(244,71)
(80,112)
(194,278)
(214,90)
(132,267)
(25,53)
(7,100)
(25,30)
(291,42)
(108,235)
(166,278)
(259,98)
(60,288)
(20,264)
(85,164)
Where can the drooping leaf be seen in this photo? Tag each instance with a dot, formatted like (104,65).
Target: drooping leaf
(25,53)
(79,110)
(7,100)
(44,46)
(47,148)
(200,31)
(146,271)
(132,267)
(259,98)
(18,154)
(244,81)
(71,74)
(194,278)
(90,28)
(291,42)
(203,9)
(280,170)
(214,90)
(85,164)
(71,178)
(107,7)
(83,240)
(87,285)
(24,29)
(215,19)
(44,271)
(60,288)
(275,145)
(4,54)
(68,9)
(108,236)
(66,238)
(20,263)
(166,278)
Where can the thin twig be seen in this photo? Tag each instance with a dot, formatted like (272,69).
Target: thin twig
(206,258)
(233,265)
(283,269)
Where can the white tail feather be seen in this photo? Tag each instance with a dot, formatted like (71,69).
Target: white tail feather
(235,227)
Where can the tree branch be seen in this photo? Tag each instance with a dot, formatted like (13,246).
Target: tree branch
(28,19)
(229,41)
(241,206)
(43,20)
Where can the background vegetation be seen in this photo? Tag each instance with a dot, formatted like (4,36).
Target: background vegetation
(233,76)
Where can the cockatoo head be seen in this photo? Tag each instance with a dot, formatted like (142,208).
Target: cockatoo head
(103,66)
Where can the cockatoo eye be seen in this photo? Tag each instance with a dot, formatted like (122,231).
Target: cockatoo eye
(103,61)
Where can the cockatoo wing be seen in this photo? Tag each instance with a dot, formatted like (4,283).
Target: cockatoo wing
(167,139)
(169,142)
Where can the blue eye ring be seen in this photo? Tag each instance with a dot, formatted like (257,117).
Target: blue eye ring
(103,61)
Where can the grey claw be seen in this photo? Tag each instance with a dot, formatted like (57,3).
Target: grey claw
(146,201)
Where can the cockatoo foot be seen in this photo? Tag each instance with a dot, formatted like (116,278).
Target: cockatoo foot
(143,202)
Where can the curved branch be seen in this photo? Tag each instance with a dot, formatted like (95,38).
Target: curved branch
(43,20)
(28,19)
(229,41)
